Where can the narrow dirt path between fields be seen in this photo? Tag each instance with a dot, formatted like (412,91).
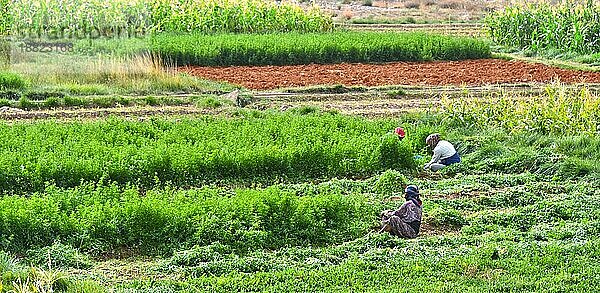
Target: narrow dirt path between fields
(468,73)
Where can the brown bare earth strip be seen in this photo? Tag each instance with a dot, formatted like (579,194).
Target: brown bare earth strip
(468,73)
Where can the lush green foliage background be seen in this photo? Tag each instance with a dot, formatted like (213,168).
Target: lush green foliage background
(119,18)
(569,26)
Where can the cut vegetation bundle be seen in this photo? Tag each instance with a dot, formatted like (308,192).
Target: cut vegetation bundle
(294,48)
(568,27)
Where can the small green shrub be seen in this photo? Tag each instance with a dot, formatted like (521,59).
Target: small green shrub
(59,256)
(5,103)
(10,95)
(8,263)
(74,101)
(394,154)
(43,95)
(104,102)
(25,103)
(209,103)
(305,110)
(11,81)
(390,182)
(52,102)
(151,101)
(111,101)
(447,217)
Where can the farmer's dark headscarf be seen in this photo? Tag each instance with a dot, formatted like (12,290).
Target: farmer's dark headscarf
(412,194)
(432,140)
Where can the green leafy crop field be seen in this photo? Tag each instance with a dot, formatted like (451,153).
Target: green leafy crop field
(251,200)
(322,48)
(567,27)
(520,213)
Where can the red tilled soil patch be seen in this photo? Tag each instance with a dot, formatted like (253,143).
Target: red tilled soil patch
(469,72)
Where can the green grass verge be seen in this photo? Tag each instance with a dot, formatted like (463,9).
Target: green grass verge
(293,48)
(59,100)
(552,58)
(118,73)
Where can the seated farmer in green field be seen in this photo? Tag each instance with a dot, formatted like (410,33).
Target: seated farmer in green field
(444,153)
(405,222)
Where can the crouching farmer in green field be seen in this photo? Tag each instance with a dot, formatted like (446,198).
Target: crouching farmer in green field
(444,153)
(405,222)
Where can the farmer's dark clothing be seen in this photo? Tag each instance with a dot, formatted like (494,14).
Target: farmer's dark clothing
(404,222)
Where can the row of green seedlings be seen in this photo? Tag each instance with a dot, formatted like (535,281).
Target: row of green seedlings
(532,211)
(568,27)
(161,221)
(302,143)
(101,220)
(250,145)
(124,18)
(294,48)
(55,100)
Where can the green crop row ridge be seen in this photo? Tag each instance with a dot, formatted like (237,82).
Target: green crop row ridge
(323,48)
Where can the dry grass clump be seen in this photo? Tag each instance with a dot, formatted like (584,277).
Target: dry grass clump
(451,4)
(428,2)
(347,14)
(412,5)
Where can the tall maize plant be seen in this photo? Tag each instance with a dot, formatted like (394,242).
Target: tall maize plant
(5,18)
(569,26)
(5,24)
(98,18)
(79,18)
(247,16)
(558,110)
